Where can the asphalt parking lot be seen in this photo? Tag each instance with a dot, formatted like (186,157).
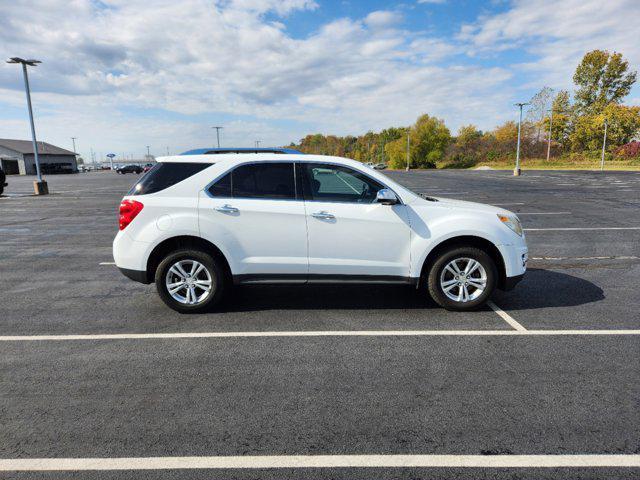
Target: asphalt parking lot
(94,366)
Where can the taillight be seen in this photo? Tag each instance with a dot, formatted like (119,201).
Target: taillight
(129,209)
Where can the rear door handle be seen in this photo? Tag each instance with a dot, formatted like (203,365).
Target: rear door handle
(227,209)
(323,215)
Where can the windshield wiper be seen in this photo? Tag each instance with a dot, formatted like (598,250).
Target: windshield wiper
(428,198)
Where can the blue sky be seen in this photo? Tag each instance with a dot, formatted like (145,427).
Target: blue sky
(123,74)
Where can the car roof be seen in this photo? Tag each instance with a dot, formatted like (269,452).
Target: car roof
(240,150)
(262,157)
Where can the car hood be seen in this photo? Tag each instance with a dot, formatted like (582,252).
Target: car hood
(464,205)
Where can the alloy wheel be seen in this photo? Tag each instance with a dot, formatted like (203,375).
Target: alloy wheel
(189,282)
(463,279)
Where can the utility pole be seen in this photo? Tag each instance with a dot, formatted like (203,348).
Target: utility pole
(408,155)
(516,171)
(73,139)
(218,134)
(258,143)
(40,186)
(604,145)
(549,139)
(148,155)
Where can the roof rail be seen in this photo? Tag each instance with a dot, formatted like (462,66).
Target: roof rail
(215,151)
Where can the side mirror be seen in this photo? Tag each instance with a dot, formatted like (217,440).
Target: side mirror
(386,197)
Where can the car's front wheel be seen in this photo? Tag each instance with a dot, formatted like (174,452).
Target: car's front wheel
(462,278)
(190,281)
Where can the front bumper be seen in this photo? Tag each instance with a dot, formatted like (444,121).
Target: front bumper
(510,282)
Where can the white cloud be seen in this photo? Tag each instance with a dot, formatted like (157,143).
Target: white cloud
(200,58)
(558,34)
(190,64)
(382,18)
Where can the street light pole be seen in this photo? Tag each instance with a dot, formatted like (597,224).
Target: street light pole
(73,139)
(148,155)
(40,186)
(549,140)
(517,171)
(218,134)
(604,145)
(408,154)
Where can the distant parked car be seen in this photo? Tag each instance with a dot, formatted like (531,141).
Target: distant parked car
(370,165)
(3,179)
(147,167)
(380,166)
(129,169)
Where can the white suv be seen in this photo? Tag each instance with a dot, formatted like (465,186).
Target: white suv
(195,224)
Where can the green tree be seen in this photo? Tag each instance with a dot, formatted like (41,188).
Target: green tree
(601,78)
(467,136)
(429,140)
(563,114)
(623,125)
(396,153)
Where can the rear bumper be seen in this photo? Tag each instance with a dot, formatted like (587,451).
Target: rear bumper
(135,275)
(510,282)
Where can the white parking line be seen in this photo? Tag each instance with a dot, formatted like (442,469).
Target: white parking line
(622,257)
(107,263)
(578,229)
(321,461)
(544,213)
(313,333)
(506,317)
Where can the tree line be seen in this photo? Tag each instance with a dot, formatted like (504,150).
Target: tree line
(575,126)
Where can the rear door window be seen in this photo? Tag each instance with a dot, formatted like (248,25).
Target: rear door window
(164,175)
(258,180)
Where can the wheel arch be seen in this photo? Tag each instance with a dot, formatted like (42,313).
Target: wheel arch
(180,242)
(466,241)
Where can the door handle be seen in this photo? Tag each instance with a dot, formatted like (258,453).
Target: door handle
(323,215)
(227,209)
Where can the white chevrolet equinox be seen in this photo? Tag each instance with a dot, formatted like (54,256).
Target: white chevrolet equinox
(195,224)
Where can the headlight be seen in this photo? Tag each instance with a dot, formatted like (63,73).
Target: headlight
(512,222)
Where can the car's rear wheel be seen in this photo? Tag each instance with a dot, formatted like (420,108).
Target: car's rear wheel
(190,281)
(462,278)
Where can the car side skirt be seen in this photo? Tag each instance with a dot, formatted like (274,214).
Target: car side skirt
(321,279)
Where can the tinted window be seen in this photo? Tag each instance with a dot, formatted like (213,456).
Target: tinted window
(222,188)
(163,175)
(334,183)
(260,180)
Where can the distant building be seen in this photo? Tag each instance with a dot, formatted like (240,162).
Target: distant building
(17,158)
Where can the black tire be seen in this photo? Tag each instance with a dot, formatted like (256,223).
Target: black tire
(214,269)
(434,275)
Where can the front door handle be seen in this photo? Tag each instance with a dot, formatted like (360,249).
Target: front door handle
(227,209)
(323,215)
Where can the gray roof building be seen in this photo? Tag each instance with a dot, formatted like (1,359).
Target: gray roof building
(16,157)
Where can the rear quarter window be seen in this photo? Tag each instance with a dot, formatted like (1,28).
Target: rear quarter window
(164,175)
